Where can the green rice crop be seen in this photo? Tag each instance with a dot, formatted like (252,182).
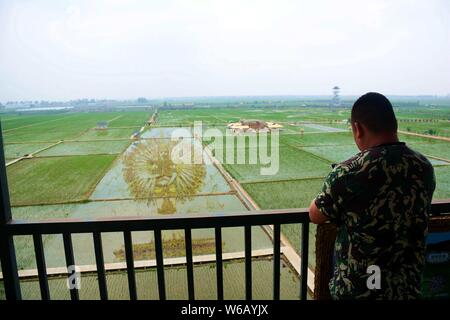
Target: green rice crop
(442,183)
(86,148)
(319,139)
(131,119)
(64,127)
(336,154)
(55,180)
(441,128)
(17,150)
(291,194)
(293,164)
(107,134)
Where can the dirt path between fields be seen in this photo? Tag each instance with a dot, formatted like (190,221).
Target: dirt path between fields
(31,155)
(118,117)
(424,135)
(437,158)
(286,247)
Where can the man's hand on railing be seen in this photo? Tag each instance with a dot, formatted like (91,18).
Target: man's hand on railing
(315,215)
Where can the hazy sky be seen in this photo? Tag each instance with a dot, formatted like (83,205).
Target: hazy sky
(58,50)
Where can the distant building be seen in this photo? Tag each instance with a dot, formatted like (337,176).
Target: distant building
(248,126)
(102,125)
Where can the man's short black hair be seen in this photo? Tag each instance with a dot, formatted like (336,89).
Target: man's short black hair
(374,111)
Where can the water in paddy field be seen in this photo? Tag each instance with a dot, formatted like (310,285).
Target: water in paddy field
(176,283)
(163,132)
(323,128)
(143,181)
(113,185)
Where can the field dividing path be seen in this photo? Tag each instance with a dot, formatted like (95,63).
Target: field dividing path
(424,135)
(287,249)
(118,117)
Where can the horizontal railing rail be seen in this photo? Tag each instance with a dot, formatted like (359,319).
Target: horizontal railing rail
(139,223)
(439,207)
(208,220)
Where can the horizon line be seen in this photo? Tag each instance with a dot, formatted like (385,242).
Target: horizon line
(4,101)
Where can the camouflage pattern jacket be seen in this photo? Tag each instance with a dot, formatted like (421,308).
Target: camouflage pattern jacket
(380,200)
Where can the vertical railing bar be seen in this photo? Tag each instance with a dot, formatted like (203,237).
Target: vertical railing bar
(276,262)
(11,281)
(41,266)
(70,262)
(98,247)
(219,264)
(248,262)
(304,257)
(7,252)
(130,264)
(189,263)
(160,264)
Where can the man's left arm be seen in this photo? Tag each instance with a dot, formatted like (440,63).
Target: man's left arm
(327,206)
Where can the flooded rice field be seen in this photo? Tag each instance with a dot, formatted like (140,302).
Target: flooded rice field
(144,181)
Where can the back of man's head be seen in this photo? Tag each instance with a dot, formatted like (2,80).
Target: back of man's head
(375,112)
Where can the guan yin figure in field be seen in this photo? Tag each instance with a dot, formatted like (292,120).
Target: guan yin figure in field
(151,174)
(379,200)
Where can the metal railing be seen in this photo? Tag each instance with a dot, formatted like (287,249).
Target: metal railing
(156,224)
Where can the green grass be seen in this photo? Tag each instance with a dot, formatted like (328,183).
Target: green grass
(55,180)
(442,183)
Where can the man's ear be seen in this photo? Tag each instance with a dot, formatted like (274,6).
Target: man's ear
(359,130)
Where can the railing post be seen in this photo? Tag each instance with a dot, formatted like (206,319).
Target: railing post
(304,263)
(7,251)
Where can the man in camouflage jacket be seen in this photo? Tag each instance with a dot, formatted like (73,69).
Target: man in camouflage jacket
(380,201)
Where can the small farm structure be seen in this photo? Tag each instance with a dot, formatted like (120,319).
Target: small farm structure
(102,125)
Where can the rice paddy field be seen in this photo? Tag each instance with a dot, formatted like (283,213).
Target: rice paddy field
(176,283)
(67,165)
